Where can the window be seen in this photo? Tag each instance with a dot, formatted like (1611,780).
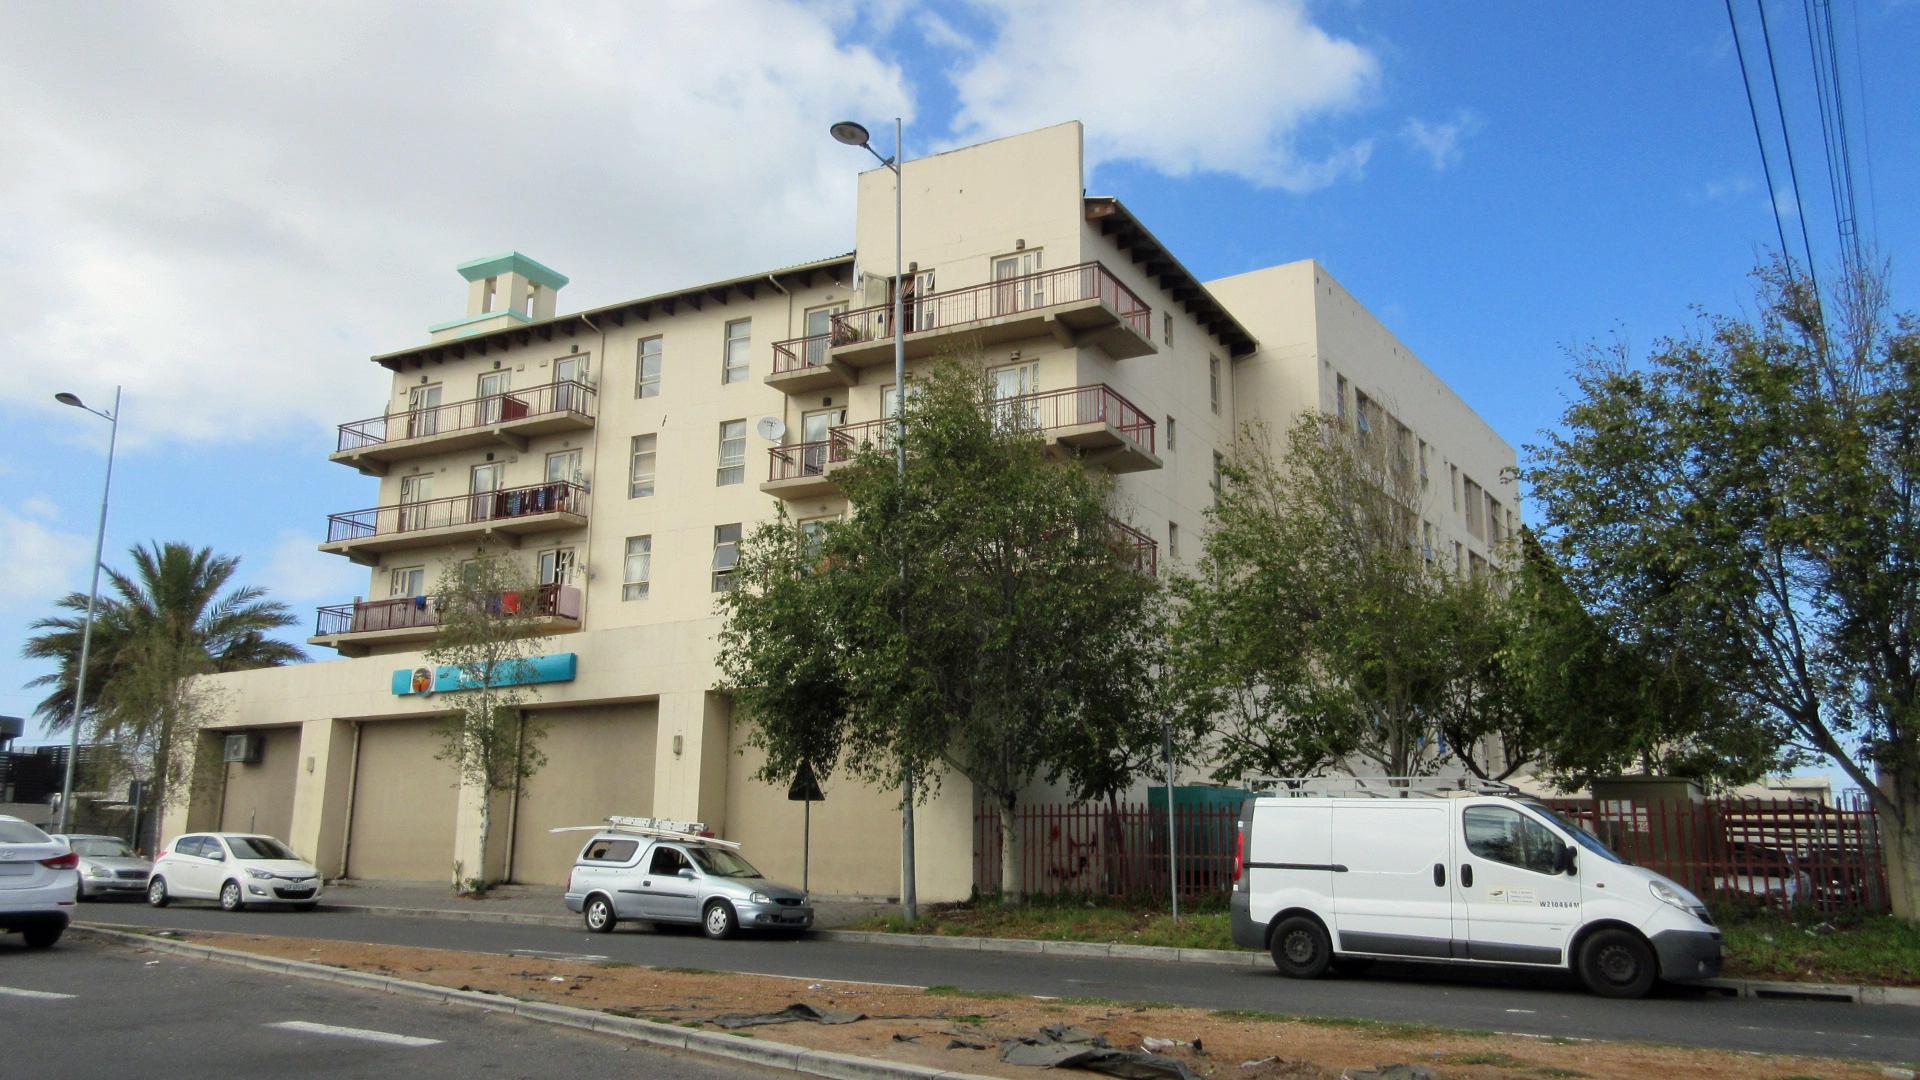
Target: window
(613,851)
(1173,540)
(407,581)
(668,861)
(647,371)
(733,453)
(639,568)
(1423,464)
(815,533)
(563,467)
(726,555)
(640,473)
(1362,414)
(1166,327)
(1426,541)
(1213,382)
(1504,835)
(1476,508)
(1453,485)
(423,411)
(1170,433)
(889,399)
(556,566)
(1340,396)
(1219,474)
(492,390)
(739,346)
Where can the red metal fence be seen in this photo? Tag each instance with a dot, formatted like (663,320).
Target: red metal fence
(1784,855)
(1007,296)
(409,612)
(1048,410)
(565,396)
(480,506)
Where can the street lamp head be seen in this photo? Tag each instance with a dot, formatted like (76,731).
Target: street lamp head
(65,398)
(852,134)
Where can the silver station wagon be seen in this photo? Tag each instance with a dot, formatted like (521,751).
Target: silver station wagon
(658,871)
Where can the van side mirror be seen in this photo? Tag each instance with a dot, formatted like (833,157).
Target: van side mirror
(1564,863)
(687,872)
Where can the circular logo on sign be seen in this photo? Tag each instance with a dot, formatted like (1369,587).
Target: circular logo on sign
(423,680)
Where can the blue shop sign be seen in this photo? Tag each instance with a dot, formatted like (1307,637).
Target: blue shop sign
(557,667)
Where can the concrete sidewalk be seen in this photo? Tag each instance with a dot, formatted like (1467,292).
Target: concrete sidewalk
(539,905)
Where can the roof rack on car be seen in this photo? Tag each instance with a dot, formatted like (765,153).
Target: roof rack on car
(1379,787)
(688,832)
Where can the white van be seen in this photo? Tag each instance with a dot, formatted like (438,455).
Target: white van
(1368,870)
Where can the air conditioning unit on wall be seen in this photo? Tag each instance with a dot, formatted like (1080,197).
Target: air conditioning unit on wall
(243,748)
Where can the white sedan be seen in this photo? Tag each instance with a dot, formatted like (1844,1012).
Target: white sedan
(236,869)
(38,883)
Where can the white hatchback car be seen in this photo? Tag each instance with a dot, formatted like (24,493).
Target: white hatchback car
(236,869)
(38,883)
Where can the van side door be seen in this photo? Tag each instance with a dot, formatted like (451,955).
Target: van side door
(1520,907)
(1392,894)
(609,864)
(668,894)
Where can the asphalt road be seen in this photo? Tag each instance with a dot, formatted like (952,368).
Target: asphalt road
(1535,1004)
(86,1009)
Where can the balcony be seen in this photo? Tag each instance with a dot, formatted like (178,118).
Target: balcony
(508,514)
(1078,305)
(799,471)
(1137,548)
(1093,421)
(507,420)
(802,366)
(356,629)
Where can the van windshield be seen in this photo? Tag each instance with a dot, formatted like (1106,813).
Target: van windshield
(1580,836)
(722,863)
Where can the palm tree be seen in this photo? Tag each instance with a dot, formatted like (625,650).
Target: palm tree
(173,618)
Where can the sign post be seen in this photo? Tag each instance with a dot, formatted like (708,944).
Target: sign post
(806,790)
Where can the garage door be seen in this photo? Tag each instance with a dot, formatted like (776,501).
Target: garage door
(258,796)
(599,762)
(404,801)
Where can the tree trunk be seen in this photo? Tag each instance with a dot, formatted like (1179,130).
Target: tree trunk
(1902,835)
(486,828)
(1012,888)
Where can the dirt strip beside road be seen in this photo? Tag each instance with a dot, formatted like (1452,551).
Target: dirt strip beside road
(926,1023)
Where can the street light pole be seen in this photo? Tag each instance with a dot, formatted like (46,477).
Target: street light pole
(93,599)
(854,134)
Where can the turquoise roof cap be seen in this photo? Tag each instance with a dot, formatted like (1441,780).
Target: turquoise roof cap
(512,263)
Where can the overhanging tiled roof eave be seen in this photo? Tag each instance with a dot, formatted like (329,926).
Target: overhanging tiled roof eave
(1117,223)
(802,275)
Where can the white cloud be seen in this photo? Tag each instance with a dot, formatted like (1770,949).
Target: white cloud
(296,571)
(42,564)
(1440,141)
(1226,86)
(1727,188)
(228,208)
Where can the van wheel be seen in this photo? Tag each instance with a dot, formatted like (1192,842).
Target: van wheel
(42,935)
(230,898)
(1617,964)
(599,915)
(157,892)
(1301,949)
(719,920)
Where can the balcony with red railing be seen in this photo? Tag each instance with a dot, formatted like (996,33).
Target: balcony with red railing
(1084,304)
(358,628)
(1139,549)
(508,419)
(799,471)
(1094,421)
(506,514)
(803,365)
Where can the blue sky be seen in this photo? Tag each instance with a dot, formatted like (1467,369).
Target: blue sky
(229,211)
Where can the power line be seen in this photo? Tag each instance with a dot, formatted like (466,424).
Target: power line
(1786,136)
(1834,136)
(1746,83)
(1866,131)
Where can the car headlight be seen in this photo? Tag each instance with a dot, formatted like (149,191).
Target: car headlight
(1667,894)
(760,898)
(99,871)
(259,875)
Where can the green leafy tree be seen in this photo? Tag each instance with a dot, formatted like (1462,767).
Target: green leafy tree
(1743,500)
(489,615)
(177,615)
(978,615)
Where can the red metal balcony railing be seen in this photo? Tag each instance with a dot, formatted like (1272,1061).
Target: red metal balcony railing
(1136,547)
(476,508)
(1007,296)
(846,439)
(558,397)
(413,612)
(801,459)
(1076,405)
(802,352)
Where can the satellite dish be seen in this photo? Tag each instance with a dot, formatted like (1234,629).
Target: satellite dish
(771,429)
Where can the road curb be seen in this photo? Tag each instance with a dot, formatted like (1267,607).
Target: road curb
(1747,988)
(649,1032)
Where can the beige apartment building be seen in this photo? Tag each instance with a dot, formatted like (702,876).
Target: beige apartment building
(625,450)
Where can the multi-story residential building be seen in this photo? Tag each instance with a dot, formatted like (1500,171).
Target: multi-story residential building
(626,449)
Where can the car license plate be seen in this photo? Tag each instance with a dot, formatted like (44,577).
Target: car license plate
(14,869)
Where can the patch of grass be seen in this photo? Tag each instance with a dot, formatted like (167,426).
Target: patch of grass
(690,971)
(1842,948)
(1559,1074)
(981,995)
(1384,1028)
(968,1018)
(1486,1057)
(1053,919)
